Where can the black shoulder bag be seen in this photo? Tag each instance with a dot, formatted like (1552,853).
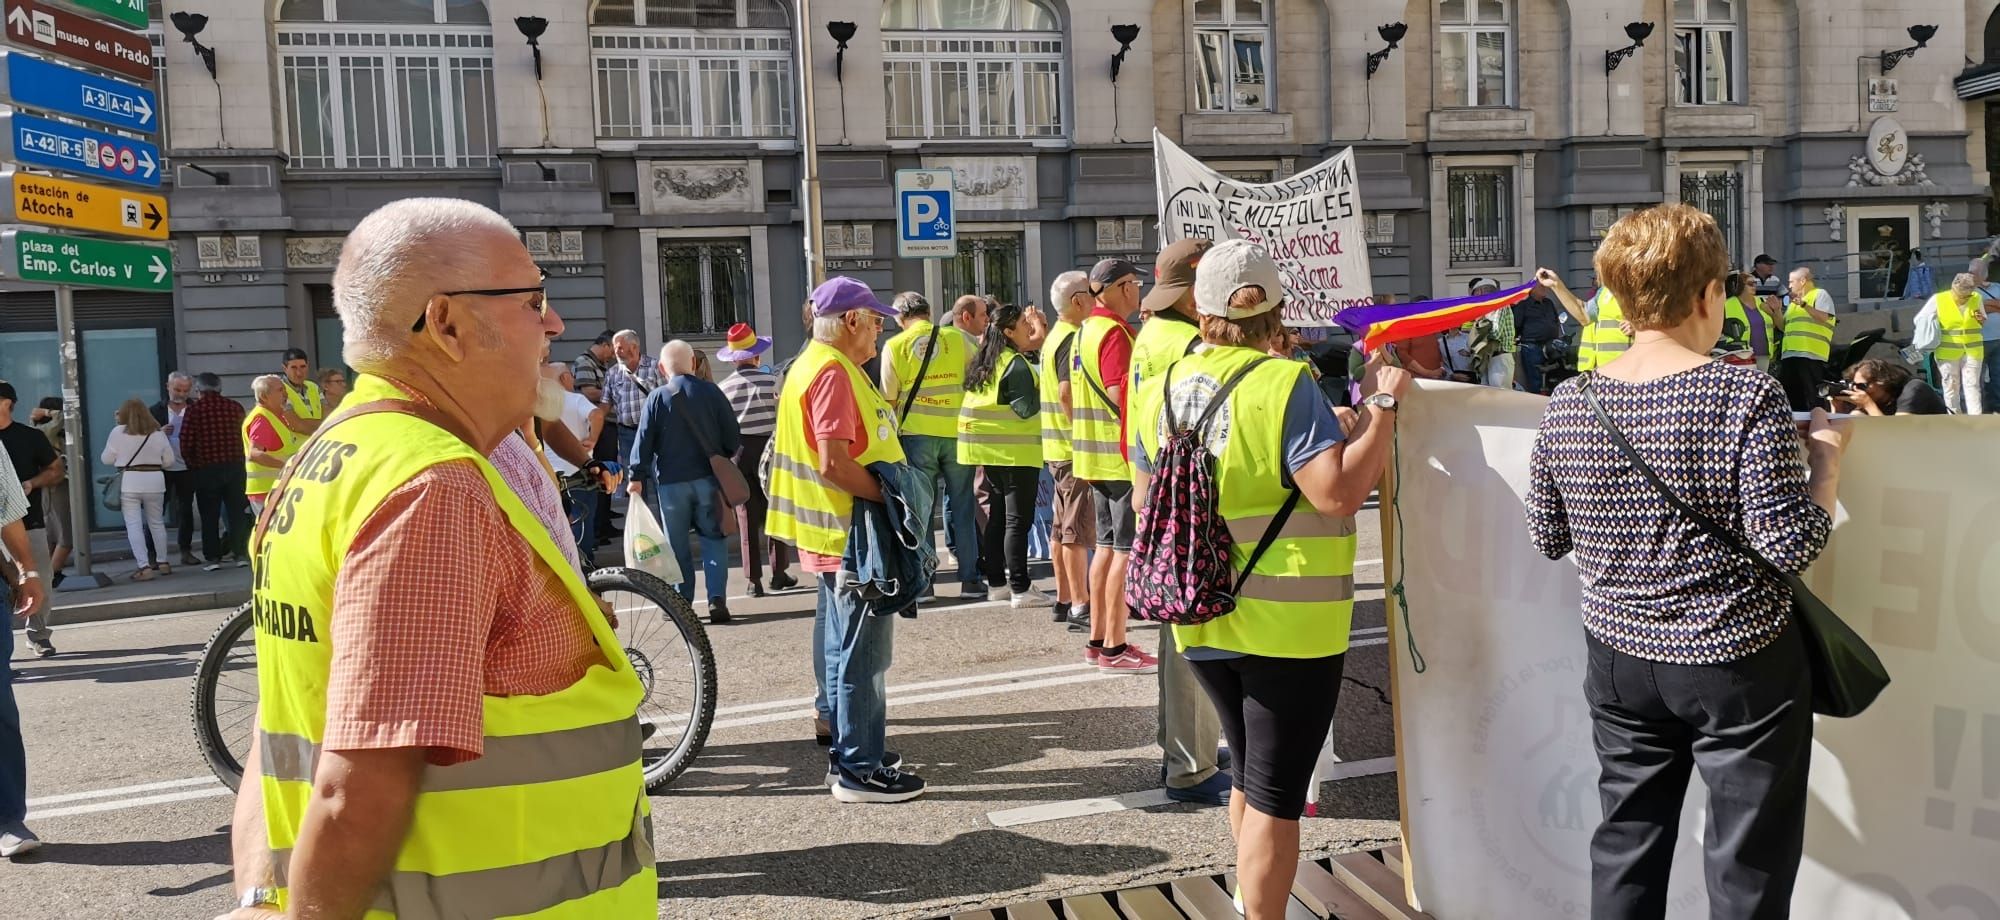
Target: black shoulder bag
(910,398)
(1847,675)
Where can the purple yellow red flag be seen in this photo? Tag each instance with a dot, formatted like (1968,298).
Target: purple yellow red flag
(1378,324)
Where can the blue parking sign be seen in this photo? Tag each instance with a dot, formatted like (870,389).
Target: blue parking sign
(926,225)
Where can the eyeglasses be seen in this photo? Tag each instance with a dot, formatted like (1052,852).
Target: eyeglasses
(539,303)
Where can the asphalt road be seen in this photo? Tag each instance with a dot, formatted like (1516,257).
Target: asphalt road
(992,706)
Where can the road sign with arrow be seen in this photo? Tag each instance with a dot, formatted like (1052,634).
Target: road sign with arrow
(69,148)
(40,28)
(74,205)
(38,84)
(129,12)
(47,258)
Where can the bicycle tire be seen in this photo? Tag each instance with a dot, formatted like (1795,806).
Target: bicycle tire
(663,767)
(209,734)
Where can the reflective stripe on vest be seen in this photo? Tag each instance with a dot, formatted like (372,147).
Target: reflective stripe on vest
(1806,337)
(311,405)
(805,510)
(1959,327)
(1161,343)
(1299,601)
(935,411)
(1055,422)
(258,478)
(1094,433)
(1603,340)
(989,433)
(544,824)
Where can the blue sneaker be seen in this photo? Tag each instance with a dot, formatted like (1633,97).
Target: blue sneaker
(1211,791)
(883,785)
(890,759)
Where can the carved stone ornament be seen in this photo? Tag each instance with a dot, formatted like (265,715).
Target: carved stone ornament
(1935,212)
(1836,220)
(699,183)
(1862,174)
(996,183)
(312,252)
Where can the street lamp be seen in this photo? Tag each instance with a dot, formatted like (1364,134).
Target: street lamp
(1125,36)
(190,25)
(532,28)
(1919,34)
(1638,32)
(1393,34)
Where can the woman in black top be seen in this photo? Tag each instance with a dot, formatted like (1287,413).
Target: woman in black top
(1888,388)
(1693,660)
(1010,497)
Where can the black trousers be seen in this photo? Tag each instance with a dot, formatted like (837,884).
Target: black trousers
(1275,714)
(224,510)
(1801,378)
(1747,726)
(1003,543)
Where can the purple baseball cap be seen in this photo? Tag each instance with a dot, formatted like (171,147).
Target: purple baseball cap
(840,294)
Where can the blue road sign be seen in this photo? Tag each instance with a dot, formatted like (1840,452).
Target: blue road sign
(926,222)
(39,84)
(78,151)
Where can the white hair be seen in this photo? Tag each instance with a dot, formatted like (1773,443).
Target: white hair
(395,259)
(827,329)
(180,376)
(625,335)
(267,385)
(677,358)
(1067,285)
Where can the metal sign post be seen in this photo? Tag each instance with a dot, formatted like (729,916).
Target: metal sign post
(82,498)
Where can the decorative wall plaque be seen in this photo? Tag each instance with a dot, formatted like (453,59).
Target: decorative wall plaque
(990,183)
(238,251)
(1121,234)
(1887,160)
(554,245)
(849,241)
(312,253)
(703,186)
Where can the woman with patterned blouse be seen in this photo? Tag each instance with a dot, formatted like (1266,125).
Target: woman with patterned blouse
(1693,659)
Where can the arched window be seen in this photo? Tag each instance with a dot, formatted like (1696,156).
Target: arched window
(1231,41)
(692,68)
(387,84)
(1707,46)
(1475,53)
(972,68)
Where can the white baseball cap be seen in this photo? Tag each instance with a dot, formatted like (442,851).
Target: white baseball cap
(1230,267)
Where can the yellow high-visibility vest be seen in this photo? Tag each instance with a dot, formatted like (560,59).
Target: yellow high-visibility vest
(1806,337)
(989,433)
(1055,422)
(1094,428)
(1960,325)
(258,478)
(941,392)
(1299,601)
(805,510)
(553,821)
(1160,344)
(1603,340)
(309,406)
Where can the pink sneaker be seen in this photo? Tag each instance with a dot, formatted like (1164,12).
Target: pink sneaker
(1133,660)
(1092,655)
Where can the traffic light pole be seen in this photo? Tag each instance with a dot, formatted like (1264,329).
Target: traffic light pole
(81,496)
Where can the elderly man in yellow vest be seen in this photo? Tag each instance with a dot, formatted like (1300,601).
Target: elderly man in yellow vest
(1961,352)
(434,738)
(923,378)
(267,442)
(304,403)
(1808,341)
(831,425)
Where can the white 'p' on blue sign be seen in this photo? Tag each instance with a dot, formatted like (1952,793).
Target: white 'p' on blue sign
(926,221)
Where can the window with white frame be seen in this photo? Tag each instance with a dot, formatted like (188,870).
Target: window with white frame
(704,285)
(692,68)
(387,84)
(1475,53)
(1480,215)
(1717,190)
(972,68)
(1707,43)
(1231,40)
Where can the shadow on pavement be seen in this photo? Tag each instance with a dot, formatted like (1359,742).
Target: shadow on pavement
(168,669)
(955,754)
(900,873)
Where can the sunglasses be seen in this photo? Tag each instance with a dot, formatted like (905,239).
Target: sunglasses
(539,303)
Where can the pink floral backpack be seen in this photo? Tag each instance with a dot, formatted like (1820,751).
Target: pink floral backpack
(1179,571)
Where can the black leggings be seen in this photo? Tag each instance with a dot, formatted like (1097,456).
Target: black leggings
(1013,487)
(1275,714)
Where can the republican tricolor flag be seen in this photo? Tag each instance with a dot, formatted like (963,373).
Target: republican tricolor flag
(1380,324)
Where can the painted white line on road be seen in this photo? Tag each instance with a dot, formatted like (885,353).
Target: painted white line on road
(121,790)
(1150,798)
(216,612)
(116,805)
(1090,674)
(29,676)
(806,701)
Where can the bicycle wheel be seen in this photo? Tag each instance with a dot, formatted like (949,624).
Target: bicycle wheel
(670,651)
(224,699)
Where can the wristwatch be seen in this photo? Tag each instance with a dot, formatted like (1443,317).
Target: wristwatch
(1382,401)
(259,897)
(27,575)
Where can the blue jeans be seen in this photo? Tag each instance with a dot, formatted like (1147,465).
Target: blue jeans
(933,457)
(1528,369)
(852,667)
(694,505)
(13,755)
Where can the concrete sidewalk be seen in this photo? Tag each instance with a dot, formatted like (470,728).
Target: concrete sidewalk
(80,600)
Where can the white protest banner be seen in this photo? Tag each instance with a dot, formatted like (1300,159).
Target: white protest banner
(1310,223)
(1498,775)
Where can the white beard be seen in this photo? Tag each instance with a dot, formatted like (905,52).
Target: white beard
(549,399)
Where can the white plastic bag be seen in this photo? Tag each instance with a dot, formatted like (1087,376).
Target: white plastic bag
(646,546)
(1926,332)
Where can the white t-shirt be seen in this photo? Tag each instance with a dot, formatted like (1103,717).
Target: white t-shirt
(576,417)
(121,449)
(175,415)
